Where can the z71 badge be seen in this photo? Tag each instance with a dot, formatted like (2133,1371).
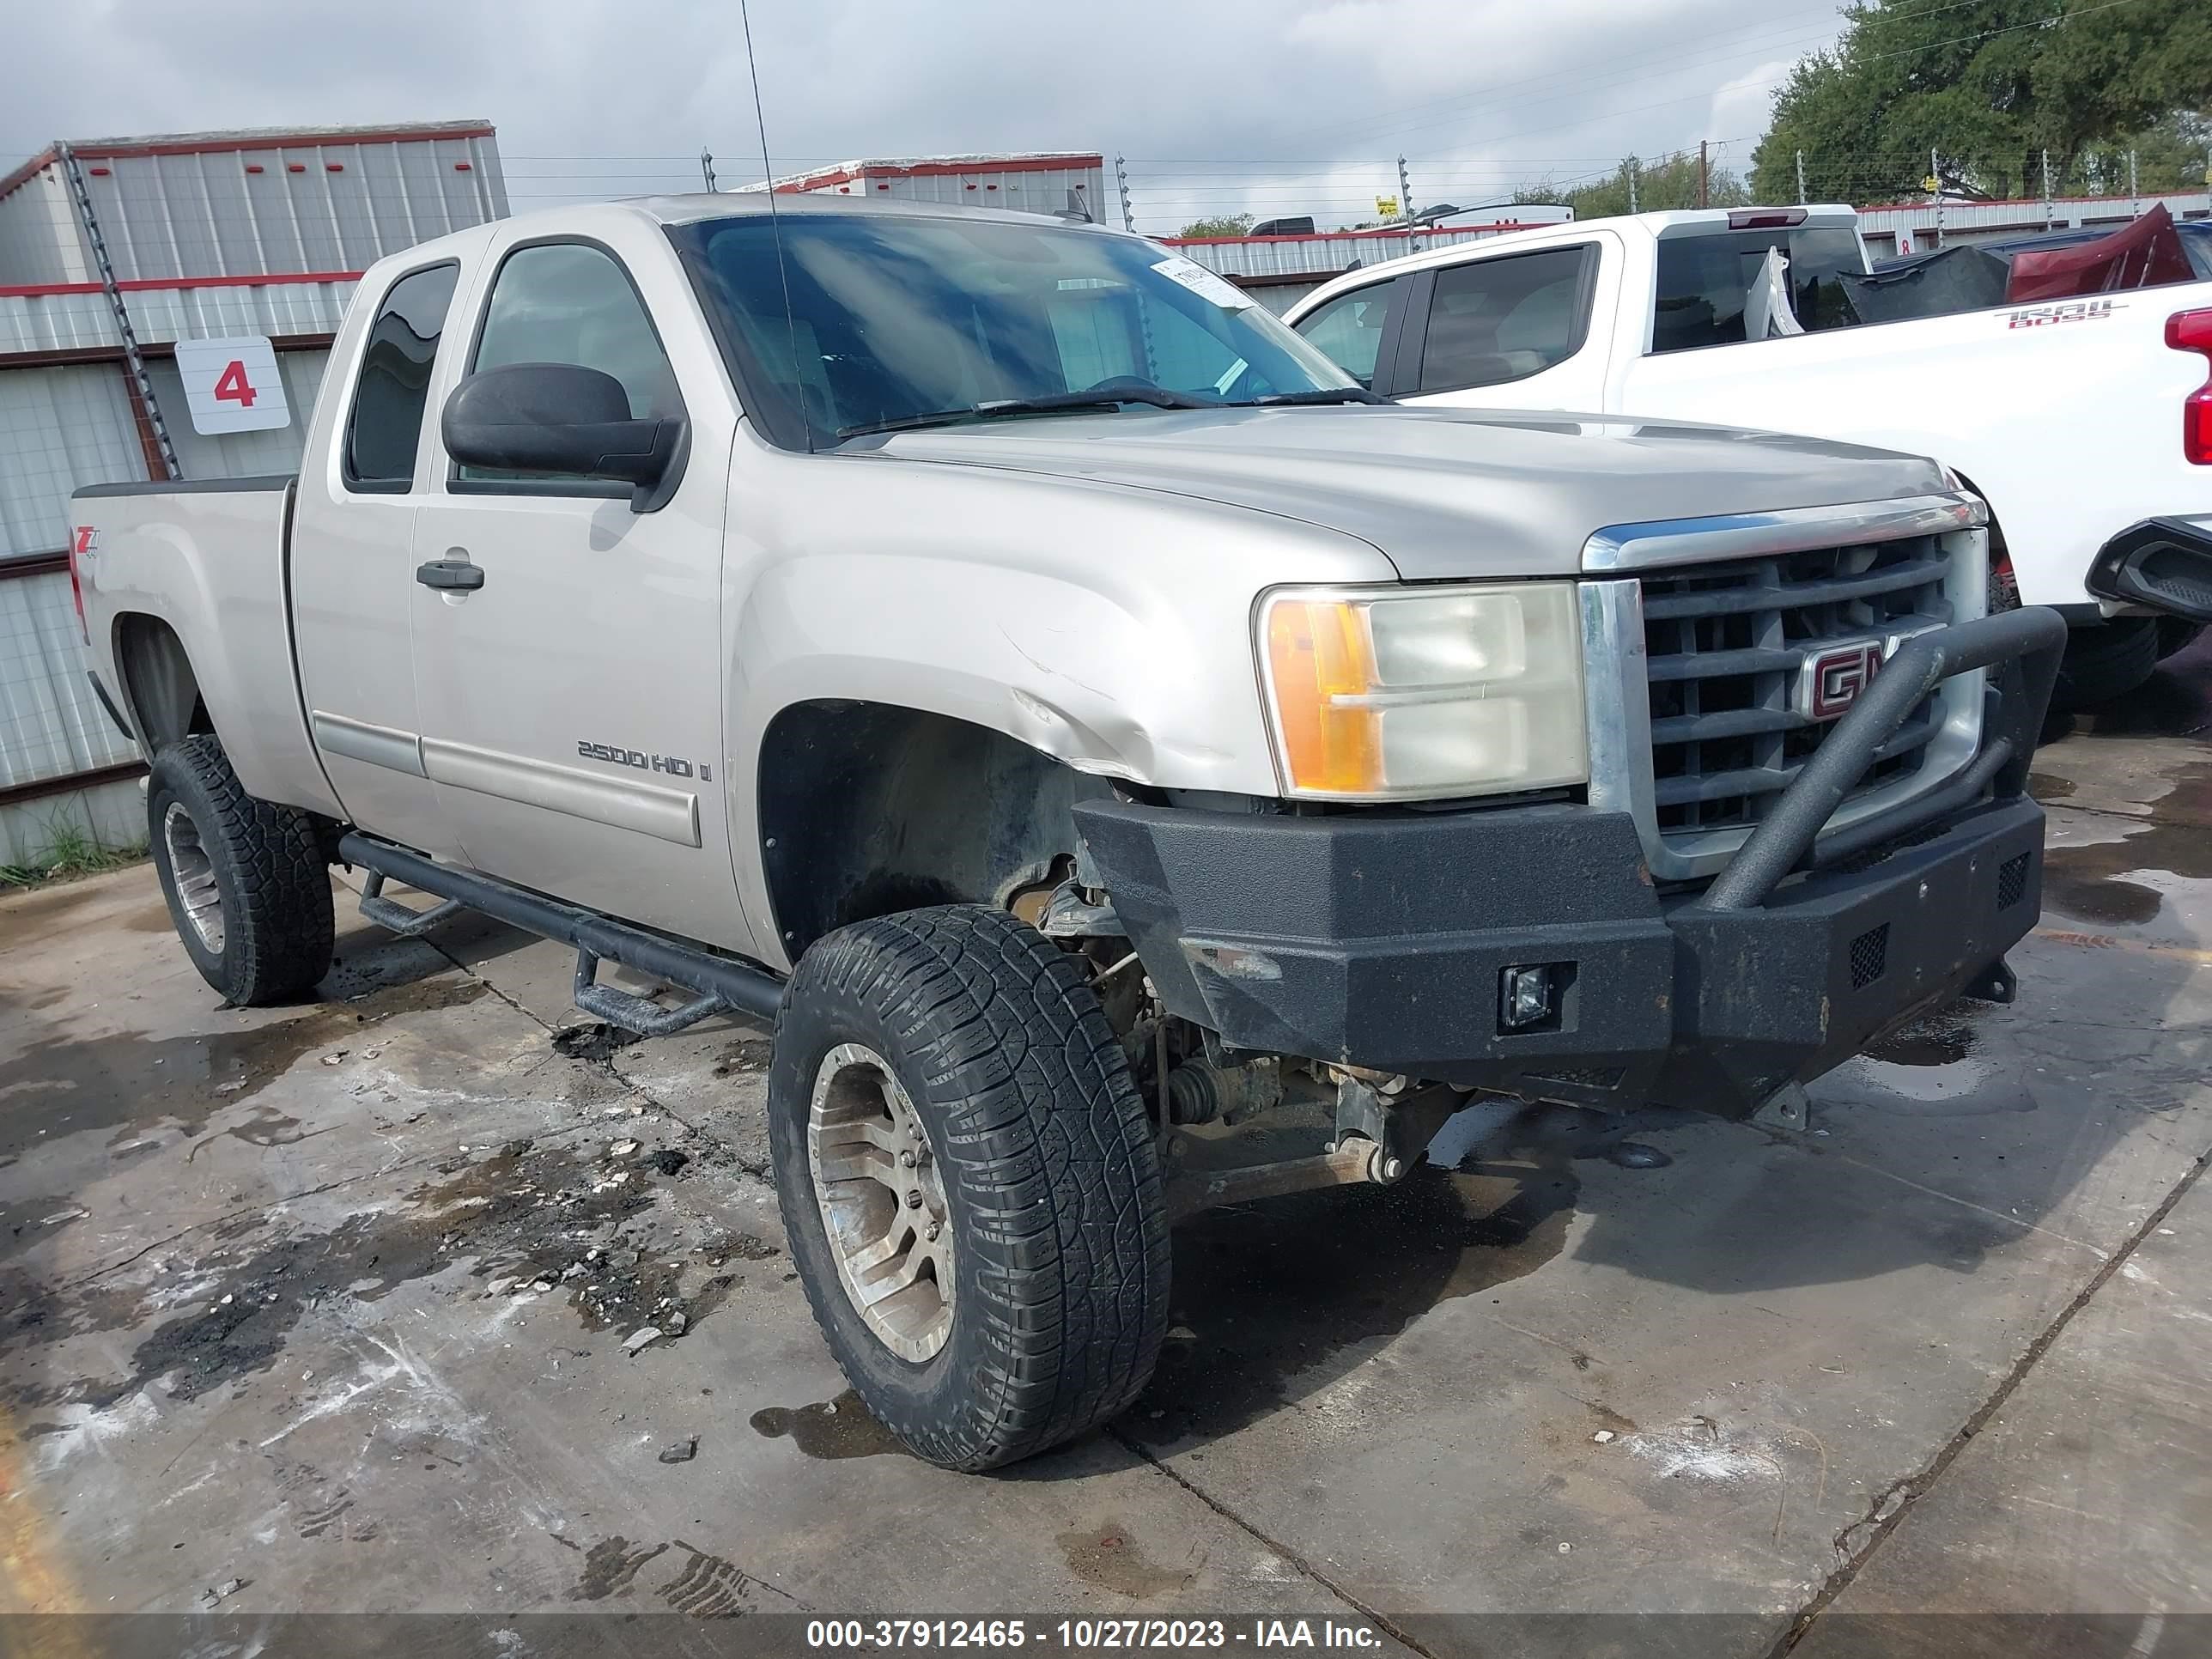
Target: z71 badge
(615,755)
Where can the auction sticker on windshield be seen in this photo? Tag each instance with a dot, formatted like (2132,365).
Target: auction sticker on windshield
(1203,283)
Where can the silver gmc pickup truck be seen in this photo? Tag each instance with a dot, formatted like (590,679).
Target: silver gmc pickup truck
(1082,719)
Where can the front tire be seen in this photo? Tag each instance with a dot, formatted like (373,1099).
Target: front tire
(2105,661)
(247,885)
(967,1174)
(2176,634)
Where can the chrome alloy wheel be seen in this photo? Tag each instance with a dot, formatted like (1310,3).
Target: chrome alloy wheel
(882,1199)
(193,872)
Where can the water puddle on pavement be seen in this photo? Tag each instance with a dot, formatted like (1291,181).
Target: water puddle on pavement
(1935,1067)
(1941,1039)
(2089,883)
(68,1084)
(831,1428)
(1107,1558)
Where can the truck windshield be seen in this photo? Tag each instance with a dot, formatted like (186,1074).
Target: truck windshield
(906,319)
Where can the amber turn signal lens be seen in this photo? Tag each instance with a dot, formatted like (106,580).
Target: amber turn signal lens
(1320,653)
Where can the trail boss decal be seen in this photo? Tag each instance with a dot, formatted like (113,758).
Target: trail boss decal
(2074,311)
(671,765)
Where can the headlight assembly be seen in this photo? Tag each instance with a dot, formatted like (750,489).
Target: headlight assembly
(1398,693)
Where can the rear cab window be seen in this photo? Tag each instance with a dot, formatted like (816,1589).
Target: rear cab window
(1506,319)
(1705,279)
(384,427)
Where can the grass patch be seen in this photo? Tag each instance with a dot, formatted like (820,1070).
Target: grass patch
(70,851)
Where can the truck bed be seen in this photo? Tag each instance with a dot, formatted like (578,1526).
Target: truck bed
(2065,414)
(207,559)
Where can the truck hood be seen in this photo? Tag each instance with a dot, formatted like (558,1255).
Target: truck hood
(1442,493)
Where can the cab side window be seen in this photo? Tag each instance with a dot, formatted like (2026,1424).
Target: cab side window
(569,303)
(1349,328)
(385,425)
(1506,319)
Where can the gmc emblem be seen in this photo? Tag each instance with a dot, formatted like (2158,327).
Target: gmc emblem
(1830,683)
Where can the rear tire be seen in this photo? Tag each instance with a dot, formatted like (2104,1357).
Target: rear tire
(247,885)
(961,1039)
(2106,661)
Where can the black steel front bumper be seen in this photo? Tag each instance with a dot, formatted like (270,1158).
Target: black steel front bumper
(1381,939)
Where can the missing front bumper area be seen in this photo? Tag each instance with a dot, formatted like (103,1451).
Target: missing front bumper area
(2163,563)
(1382,940)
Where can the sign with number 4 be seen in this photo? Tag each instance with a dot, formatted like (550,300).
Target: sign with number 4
(232,386)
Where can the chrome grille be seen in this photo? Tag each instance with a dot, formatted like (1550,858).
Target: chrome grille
(1724,644)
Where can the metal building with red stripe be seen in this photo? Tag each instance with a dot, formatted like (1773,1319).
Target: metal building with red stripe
(1029,181)
(209,235)
(257,201)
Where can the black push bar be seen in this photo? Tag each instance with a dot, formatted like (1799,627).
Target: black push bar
(2035,635)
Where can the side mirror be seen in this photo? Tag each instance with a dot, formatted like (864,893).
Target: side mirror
(562,417)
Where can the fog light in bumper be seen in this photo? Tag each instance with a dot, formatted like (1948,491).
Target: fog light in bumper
(1528,998)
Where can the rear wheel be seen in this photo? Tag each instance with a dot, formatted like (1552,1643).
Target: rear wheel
(247,885)
(968,1178)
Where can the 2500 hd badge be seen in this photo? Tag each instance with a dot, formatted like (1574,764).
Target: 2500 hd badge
(614,754)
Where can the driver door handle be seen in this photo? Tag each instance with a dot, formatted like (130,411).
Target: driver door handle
(451,574)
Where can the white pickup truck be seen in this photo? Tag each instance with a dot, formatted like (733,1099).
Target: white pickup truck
(1082,719)
(2086,424)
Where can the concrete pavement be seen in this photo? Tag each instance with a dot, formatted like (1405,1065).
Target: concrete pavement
(332,1301)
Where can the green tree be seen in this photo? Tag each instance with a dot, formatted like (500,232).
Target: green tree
(1221,224)
(1987,88)
(2172,155)
(1668,182)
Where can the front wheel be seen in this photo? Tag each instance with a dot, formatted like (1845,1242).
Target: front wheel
(2105,661)
(2176,634)
(968,1178)
(247,886)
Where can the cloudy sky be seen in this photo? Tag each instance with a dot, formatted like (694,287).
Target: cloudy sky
(1274,107)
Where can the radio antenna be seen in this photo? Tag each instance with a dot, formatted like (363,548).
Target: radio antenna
(775,230)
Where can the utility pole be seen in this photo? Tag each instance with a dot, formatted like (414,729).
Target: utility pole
(1122,184)
(1406,203)
(1936,184)
(1801,197)
(1633,167)
(134,361)
(2134,201)
(1705,176)
(2046,190)
(706,169)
